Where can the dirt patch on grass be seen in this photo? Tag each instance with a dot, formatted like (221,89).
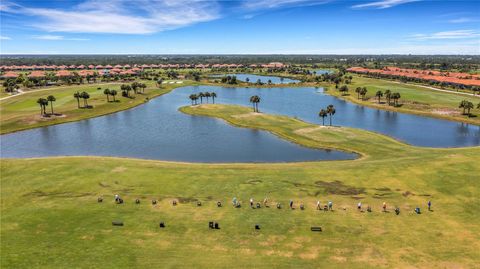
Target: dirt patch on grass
(119,169)
(337,187)
(445,111)
(39,193)
(372,257)
(187,200)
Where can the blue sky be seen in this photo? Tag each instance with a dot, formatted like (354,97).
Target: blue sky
(239,27)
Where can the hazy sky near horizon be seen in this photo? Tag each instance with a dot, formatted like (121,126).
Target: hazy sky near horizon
(239,27)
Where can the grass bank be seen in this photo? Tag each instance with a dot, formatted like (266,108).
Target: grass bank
(414,99)
(50,216)
(22,112)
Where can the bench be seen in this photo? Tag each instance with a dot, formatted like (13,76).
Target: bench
(316,229)
(117,223)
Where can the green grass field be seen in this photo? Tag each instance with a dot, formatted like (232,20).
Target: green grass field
(414,99)
(22,112)
(51,219)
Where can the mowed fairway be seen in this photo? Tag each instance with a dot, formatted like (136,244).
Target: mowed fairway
(50,216)
(414,99)
(22,111)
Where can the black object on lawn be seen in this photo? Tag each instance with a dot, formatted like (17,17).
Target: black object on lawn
(257,227)
(154,202)
(99,199)
(316,229)
(137,201)
(117,223)
(162,224)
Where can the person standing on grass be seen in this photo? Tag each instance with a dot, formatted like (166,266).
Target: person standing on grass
(251,202)
(359,206)
(429,205)
(330,205)
(265,202)
(318,205)
(384,207)
(291,204)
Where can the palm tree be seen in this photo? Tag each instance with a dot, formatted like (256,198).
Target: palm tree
(159,82)
(207,94)
(193,97)
(358,90)
(269,81)
(379,95)
(113,93)
(331,112)
(363,92)
(85,97)
(388,95)
(323,114)
(344,90)
(42,102)
(469,106)
(214,95)
(77,96)
(462,105)
(143,86)
(255,99)
(247,80)
(201,95)
(395,97)
(107,93)
(51,99)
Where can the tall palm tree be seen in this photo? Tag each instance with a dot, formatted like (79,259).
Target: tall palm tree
(395,97)
(113,93)
(462,105)
(77,96)
(214,95)
(207,95)
(143,86)
(201,95)
(388,96)
(323,114)
(85,97)
(358,90)
(363,92)
(51,99)
(255,99)
(331,112)
(107,93)
(193,97)
(379,95)
(42,102)
(468,106)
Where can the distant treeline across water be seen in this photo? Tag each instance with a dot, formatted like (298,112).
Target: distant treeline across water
(446,62)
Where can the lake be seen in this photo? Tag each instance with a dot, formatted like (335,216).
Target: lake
(264,79)
(156,130)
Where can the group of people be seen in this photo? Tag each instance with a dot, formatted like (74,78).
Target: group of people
(326,207)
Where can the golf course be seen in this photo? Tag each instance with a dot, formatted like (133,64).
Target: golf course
(51,218)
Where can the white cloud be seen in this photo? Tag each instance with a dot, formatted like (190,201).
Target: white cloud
(5,37)
(58,37)
(461,20)
(123,16)
(456,34)
(268,4)
(384,4)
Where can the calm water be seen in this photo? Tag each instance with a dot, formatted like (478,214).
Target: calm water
(321,71)
(156,130)
(264,79)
